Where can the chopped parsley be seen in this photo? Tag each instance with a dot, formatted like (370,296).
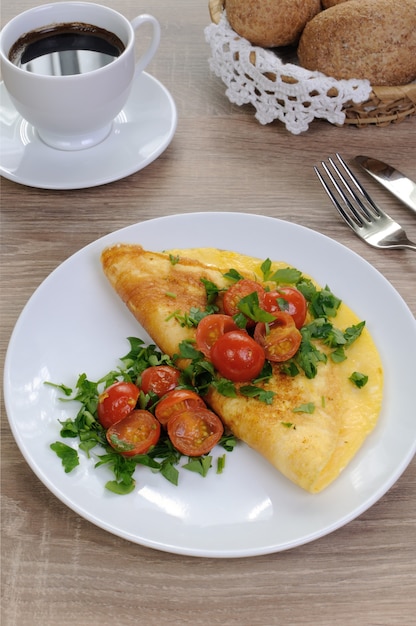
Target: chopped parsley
(307,357)
(192,317)
(211,290)
(68,455)
(359,379)
(323,303)
(221,464)
(233,275)
(91,439)
(286,276)
(174,259)
(250,308)
(309,407)
(251,391)
(225,387)
(282,276)
(200,465)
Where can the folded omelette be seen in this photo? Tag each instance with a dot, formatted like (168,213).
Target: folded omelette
(309,448)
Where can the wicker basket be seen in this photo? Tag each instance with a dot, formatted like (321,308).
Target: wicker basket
(386,105)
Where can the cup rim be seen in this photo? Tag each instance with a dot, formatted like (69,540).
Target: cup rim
(43,8)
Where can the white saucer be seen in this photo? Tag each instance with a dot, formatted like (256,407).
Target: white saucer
(140,133)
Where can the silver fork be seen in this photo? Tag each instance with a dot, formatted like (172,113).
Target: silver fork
(359,211)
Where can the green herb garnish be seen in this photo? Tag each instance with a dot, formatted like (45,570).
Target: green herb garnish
(251,391)
(68,455)
(358,379)
(211,290)
(324,304)
(249,306)
(200,464)
(266,269)
(309,407)
(286,276)
(221,464)
(163,458)
(233,275)
(174,259)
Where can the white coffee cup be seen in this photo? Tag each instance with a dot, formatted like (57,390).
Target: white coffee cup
(73,112)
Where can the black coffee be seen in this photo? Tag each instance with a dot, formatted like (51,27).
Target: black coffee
(65,49)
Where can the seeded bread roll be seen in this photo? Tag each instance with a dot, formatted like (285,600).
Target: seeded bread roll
(270,23)
(373,39)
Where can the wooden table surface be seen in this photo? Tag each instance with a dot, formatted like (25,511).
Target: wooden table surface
(58,568)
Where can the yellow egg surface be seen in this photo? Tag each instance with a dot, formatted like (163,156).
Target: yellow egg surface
(310,448)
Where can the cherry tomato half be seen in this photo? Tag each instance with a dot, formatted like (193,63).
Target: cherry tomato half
(237,356)
(135,434)
(210,328)
(295,304)
(195,431)
(280,339)
(175,402)
(116,402)
(160,379)
(241,289)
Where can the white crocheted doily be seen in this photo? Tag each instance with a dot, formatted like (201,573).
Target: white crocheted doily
(295,97)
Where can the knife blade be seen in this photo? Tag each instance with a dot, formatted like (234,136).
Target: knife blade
(397,183)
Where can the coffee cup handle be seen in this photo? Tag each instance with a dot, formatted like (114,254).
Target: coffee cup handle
(149,53)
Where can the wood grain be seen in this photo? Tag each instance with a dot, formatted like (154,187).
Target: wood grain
(58,568)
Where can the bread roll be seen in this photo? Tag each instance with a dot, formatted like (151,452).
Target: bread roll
(331,3)
(373,39)
(270,23)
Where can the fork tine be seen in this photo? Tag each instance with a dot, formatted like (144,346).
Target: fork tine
(351,207)
(358,204)
(359,208)
(345,216)
(358,186)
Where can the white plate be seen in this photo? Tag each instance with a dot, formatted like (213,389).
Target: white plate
(140,133)
(75,323)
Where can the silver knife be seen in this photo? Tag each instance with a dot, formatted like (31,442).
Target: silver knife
(397,183)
